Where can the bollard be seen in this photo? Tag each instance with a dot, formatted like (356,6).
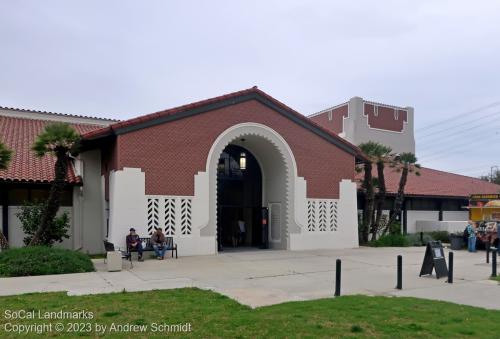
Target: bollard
(337,278)
(488,253)
(450,269)
(399,284)
(494,264)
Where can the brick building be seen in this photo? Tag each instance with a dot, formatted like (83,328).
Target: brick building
(196,170)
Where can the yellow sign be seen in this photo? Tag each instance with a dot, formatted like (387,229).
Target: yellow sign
(484,196)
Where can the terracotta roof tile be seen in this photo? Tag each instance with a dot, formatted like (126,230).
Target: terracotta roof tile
(18,134)
(433,182)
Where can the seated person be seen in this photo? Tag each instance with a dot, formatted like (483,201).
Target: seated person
(158,242)
(134,243)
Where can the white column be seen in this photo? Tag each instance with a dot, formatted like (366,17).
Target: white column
(348,215)
(127,204)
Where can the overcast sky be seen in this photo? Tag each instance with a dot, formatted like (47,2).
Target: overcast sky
(121,59)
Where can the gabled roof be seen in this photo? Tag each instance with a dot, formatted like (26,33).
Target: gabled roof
(18,134)
(218,102)
(436,183)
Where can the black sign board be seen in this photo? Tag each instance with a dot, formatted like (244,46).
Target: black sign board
(434,259)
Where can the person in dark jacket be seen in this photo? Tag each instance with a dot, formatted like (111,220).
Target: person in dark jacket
(158,242)
(134,243)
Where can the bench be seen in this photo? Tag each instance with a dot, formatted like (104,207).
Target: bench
(148,247)
(169,243)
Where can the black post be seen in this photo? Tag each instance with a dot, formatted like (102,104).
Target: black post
(488,253)
(450,269)
(421,237)
(337,278)
(399,285)
(494,264)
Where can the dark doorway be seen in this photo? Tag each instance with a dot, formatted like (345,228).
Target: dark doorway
(239,199)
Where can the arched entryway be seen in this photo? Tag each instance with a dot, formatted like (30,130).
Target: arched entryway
(278,175)
(239,199)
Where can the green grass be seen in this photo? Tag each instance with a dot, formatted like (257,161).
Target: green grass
(41,260)
(213,315)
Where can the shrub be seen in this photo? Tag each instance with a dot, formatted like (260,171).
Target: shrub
(391,240)
(442,236)
(31,216)
(42,260)
(414,239)
(395,228)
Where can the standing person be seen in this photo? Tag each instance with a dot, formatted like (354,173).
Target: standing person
(235,233)
(471,241)
(158,242)
(241,225)
(134,243)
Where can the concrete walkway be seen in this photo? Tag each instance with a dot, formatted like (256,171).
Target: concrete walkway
(264,277)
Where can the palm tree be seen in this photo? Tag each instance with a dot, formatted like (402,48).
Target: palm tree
(379,155)
(60,140)
(382,155)
(5,156)
(405,163)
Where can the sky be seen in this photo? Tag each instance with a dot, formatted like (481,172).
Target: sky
(121,59)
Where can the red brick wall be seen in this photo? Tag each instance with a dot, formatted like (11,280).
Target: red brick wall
(171,154)
(386,118)
(335,125)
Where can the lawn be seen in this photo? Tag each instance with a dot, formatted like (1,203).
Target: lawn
(213,315)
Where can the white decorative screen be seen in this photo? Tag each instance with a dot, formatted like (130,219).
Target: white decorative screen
(153,215)
(322,215)
(173,213)
(186,216)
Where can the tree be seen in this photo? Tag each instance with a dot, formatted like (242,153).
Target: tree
(405,163)
(379,155)
(5,157)
(382,155)
(60,140)
(494,177)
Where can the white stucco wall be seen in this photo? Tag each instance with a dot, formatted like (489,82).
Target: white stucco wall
(357,131)
(346,235)
(413,216)
(455,215)
(127,204)
(449,226)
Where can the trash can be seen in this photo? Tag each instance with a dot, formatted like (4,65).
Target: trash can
(456,242)
(114,261)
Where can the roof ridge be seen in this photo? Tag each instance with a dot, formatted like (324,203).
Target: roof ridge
(233,95)
(460,175)
(99,126)
(25,110)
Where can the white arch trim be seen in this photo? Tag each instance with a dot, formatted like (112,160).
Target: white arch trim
(250,128)
(205,182)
